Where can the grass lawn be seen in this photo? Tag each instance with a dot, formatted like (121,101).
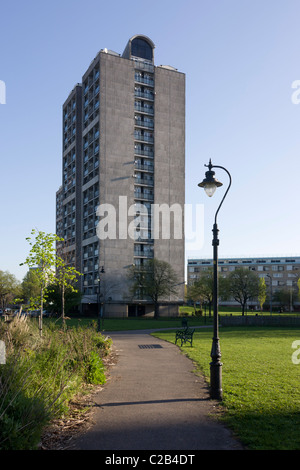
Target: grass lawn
(132,323)
(261,392)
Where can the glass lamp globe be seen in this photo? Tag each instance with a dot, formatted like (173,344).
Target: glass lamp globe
(210,183)
(210,189)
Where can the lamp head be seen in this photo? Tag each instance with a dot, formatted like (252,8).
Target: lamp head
(210,183)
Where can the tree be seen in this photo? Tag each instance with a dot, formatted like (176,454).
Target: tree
(155,280)
(66,275)
(30,286)
(42,258)
(9,287)
(53,304)
(282,296)
(203,288)
(194,293)
(262,292)
(243,285)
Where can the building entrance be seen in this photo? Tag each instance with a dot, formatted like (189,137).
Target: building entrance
(136,310)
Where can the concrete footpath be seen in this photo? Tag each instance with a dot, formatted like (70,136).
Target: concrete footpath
(153,401)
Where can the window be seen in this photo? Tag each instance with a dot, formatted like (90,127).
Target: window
(141,48)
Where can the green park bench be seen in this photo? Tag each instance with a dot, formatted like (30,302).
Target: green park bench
(185,335)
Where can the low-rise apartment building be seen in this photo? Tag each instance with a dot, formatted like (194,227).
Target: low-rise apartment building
(280,273)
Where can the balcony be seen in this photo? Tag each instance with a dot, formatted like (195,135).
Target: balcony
(141,65)
(146,123)
(144,181)
(147,95)
(144,80)
(143,152)
(143,137)
(143,109)
(143,167)
(143,239)
(143,196)
(143,254)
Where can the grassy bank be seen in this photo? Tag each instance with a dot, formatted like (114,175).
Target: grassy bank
(42,375)
(260,383)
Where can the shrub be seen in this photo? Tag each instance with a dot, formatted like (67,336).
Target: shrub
(41,375)
(22,416)
(95,370)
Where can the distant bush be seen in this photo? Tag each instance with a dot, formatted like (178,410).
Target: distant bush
(199,313)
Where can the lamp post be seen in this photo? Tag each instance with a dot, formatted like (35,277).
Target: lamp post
(210,184)
(271,293)
(100,313)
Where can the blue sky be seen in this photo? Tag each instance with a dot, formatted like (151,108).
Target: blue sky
(240,58)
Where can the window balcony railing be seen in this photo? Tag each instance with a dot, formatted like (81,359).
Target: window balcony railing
(144,181)
(143,137)
(144,80)
(141,166)
(145,196)
(141,65)
(145,95)
(143,254)
(144,109)
(143,152)
(142,238)
(144,123)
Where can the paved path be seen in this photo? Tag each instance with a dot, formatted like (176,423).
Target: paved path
(153,401)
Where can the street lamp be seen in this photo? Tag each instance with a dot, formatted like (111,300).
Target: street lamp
(271,293)
(210,184)
(100,312)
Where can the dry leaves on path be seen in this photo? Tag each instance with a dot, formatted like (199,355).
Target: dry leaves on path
(60,434)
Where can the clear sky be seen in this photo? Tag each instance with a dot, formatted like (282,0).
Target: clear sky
(240,58)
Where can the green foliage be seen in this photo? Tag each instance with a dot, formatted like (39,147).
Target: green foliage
(9,288)
(54,299)
(95,369)
(42,257)
(30,287)
(243,285)
(22,415)
(262,292)
(41,376)
(49,268)
(202,289)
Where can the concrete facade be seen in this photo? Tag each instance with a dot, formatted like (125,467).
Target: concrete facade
(169,164)
(127,133)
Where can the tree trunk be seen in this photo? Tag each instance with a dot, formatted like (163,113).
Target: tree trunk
(41,314)
(156,309)
(63,305)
